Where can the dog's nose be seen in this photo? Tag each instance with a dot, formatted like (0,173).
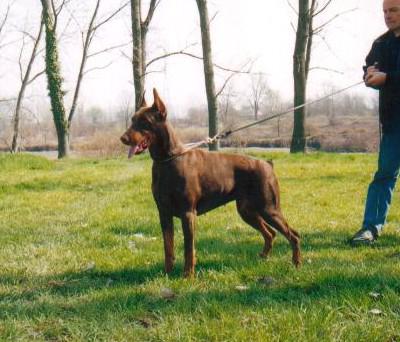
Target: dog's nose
(125,139)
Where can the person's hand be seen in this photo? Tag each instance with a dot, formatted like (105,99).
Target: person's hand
(375,78)
(372,68)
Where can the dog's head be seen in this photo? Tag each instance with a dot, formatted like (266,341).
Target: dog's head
(145,121)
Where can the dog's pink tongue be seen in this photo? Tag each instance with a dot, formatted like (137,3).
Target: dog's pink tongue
(132,151)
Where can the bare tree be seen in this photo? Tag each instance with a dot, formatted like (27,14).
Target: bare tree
(258,87)
(61,120)
(139,33)
(25,81)
(208,72)
(300,74)
(305,33)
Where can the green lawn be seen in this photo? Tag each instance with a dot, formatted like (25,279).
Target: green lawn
(81,258)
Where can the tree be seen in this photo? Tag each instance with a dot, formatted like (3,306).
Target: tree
(139,33)
(25,81)
(258,87)
(54,79)
(305,33)
(208,72)
(302,50)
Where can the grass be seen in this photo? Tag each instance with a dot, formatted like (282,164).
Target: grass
(81,258)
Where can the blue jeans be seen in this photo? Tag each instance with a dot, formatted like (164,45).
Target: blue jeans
(381,189)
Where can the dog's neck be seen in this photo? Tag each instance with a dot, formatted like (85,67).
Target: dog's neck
(166,144)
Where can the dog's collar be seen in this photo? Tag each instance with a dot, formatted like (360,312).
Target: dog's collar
(170,158)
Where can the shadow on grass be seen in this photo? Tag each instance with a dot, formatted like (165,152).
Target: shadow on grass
(131,301)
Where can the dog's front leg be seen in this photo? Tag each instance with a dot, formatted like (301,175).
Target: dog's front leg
(167,227)
(188,226)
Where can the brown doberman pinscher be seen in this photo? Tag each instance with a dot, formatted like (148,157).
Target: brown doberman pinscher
(191,182)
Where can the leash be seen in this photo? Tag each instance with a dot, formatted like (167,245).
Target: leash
(225,134)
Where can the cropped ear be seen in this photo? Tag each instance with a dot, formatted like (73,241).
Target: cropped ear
(143,100)
(159,105)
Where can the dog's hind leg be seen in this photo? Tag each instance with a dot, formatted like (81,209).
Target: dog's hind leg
(167,227)
(188,227)
(255,220)
(274,217)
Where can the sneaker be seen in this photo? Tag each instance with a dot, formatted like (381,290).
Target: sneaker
(364,237)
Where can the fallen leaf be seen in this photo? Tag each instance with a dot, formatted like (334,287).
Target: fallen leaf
(376,312)
(375,295)
(241,288)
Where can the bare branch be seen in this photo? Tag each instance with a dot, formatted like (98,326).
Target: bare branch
(59,9)
(225,84)
(89,35)
(314,14)
(98,68)
(322,26)
(21,51)
(29,35)
(248,65)
(193,56)
(110,16)
(72,18)
(3,22)
(53,8)
(213,17)
(24,83)
(152,72)
(293,27)
(9,43)
(108,49)
(8,100)
(40,73)
(327,69)
(152,7)
(292,7)
(126,56)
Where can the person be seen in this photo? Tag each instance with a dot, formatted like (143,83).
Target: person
(382,72)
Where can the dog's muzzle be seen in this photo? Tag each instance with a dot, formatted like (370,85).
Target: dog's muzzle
(125,139)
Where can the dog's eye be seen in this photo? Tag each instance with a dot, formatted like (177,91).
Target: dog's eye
(141,125)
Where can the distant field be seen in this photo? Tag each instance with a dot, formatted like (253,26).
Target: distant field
(81,258)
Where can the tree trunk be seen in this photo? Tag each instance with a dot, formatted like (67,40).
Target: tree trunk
(300,70)
(208,72)
(54,81)
(25,81)
(138,55)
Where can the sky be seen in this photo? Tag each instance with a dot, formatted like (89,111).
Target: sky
(257,31)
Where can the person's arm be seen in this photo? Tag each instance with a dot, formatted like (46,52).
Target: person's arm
(373,77)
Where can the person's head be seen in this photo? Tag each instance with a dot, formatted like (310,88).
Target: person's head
(391,12)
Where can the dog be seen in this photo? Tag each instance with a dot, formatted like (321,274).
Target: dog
(190,182)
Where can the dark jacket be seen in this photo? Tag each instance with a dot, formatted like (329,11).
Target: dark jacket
(384,53)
